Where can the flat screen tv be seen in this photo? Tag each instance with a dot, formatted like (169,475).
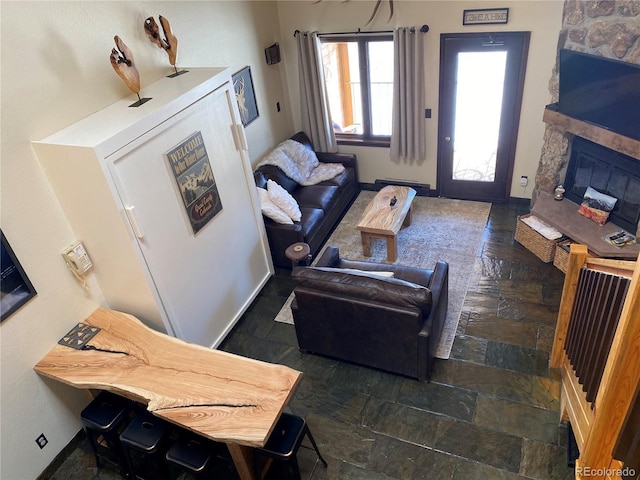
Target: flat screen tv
(602,91)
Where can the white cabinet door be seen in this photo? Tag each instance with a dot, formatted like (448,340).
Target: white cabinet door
(203,280)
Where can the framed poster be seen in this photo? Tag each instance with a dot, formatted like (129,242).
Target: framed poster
(15,287)
(245,95)
(485,16)
(192,170)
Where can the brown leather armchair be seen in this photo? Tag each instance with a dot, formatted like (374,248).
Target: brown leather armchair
(391,324)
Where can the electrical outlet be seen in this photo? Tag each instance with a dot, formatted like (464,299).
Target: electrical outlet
(524,181)
(42,441)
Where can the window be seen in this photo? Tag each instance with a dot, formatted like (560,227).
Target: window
(359,78)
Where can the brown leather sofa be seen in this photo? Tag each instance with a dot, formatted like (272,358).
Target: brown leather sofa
(322,205)
(391,324)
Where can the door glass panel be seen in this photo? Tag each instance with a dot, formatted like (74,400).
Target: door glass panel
(480,84)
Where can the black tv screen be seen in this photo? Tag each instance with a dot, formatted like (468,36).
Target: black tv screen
(602,91)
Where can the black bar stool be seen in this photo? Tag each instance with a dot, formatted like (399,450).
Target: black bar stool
(144,444)
(103,420)
(283,445)
(199,458)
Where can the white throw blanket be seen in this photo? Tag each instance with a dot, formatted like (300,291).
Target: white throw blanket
(547,231)
(300,163)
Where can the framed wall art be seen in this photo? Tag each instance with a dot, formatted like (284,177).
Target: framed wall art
(245,95)
(15,287)
(485,16)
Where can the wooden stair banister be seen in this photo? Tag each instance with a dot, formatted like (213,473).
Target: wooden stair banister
(598,425)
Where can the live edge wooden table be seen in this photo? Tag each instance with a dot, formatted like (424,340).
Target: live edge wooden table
(384,217)
(221,396)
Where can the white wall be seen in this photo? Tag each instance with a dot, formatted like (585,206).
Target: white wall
(542,18)
(55,70)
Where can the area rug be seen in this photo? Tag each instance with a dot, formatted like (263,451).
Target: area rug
(441,229)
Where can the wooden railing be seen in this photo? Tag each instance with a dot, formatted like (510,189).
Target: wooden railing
(598,335)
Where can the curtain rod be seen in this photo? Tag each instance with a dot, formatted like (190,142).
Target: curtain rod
(423,29)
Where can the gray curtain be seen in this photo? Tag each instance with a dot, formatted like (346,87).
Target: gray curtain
(316,120)
(408,129)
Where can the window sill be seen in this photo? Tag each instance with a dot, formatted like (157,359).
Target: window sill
(364,142)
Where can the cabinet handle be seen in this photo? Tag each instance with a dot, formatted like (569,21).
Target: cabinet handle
(238,137)
(137,231)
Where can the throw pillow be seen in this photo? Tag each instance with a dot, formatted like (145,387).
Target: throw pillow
(284,200)
(271,210)
(596,206)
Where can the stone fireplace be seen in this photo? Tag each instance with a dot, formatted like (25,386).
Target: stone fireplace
(605,28)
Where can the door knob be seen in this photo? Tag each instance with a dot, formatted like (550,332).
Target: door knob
(447,139)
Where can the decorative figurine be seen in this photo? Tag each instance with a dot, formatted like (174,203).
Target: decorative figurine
(169,43)
(558,193)
(122,62)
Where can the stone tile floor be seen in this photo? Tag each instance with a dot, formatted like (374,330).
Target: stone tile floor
(490,411)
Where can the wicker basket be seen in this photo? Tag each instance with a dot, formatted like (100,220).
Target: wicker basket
(541,247)
(561,257)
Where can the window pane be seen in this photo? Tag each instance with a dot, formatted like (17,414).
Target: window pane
(354,93)
(359,70)
(342,78)
(381,86)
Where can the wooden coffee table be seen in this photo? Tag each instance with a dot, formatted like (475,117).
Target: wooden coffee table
(383,220)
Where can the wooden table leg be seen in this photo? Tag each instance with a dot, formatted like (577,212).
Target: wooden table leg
(366,244)
(243,460)
(392,248)
(407,219)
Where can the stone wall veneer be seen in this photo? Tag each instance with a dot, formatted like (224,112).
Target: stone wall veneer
(606,28)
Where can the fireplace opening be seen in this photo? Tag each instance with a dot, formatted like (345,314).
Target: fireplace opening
(609,172)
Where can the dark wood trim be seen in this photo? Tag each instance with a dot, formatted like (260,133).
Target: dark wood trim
(360,141)
(526,38)
(500,189)
(596,134)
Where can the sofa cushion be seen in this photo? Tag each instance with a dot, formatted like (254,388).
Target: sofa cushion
(343,178)
(271,172)
(302,138)
(385,290)
(323,172)
(284,200)
(316,196)
(311,221)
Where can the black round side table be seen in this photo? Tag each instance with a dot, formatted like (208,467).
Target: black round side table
(299,253)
